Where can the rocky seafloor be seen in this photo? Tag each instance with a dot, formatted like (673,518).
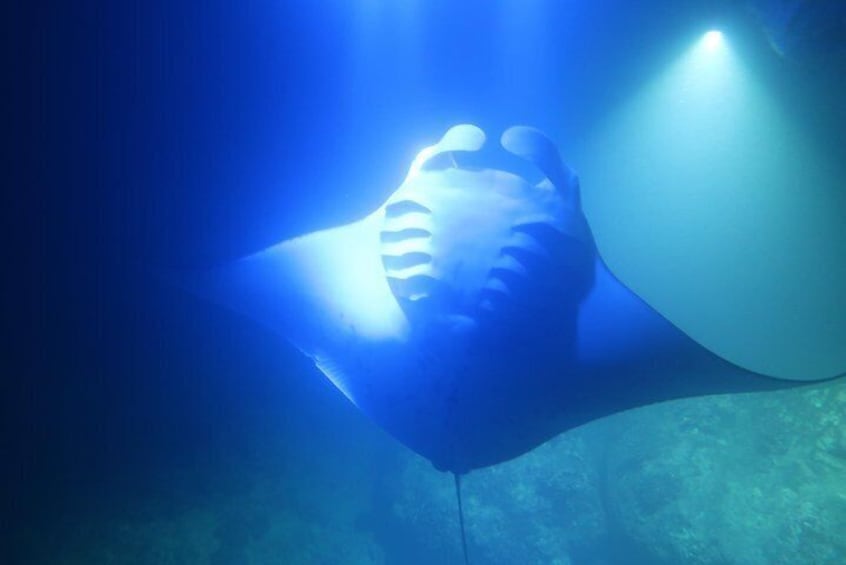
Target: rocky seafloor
(748,479)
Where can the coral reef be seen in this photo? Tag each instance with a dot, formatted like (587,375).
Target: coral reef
(748,479)
(733,479)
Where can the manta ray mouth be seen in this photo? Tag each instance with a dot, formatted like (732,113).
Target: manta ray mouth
(480,245)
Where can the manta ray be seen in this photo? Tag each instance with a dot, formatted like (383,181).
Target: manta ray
(471,314)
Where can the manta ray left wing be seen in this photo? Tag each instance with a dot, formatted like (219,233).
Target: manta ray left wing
(470,315)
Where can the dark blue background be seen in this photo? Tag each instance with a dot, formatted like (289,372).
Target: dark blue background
(159,135)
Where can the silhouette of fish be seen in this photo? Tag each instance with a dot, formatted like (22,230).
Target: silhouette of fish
(471,315)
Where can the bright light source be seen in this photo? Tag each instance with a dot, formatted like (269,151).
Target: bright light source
(711,144)
(712,39)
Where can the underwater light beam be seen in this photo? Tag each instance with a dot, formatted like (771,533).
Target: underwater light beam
(734,211)
(712,39)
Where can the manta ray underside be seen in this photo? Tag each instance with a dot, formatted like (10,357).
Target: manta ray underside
(470,315)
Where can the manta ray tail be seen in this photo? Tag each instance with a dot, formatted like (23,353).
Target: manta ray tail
(461,517)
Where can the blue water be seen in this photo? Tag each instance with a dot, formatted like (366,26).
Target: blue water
(139,424)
